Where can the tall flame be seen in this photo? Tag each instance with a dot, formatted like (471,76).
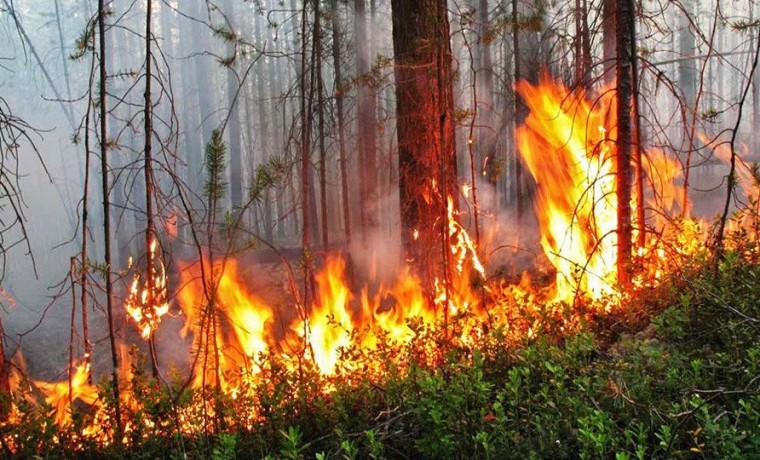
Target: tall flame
(566,143)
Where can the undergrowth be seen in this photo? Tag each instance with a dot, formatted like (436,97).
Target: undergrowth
(682,383)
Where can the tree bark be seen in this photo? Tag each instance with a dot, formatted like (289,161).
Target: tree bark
(321,127)
(624,73)
(5,385)
(150,228)
(609,39)
(339,108)
(266,143)
(203,92)
(582,45)
(305,164)
(233,85)
(366,107)
(102,93)
(424,108)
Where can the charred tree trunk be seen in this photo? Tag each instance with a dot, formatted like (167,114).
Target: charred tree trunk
(625,39)
(150,229)
(424,108)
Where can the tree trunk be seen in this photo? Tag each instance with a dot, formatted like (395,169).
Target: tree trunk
(582,45)
(321,127)
(233,133)
(366,107)
(305,163)
(624,72)
(102,94)
(62,47)
(755,95)
(339,91)
(204,89)
(150,229)
(85,220)
(426,142)
(609,39)
(520,109)
(5,385)
(637,141)
(266,143)
(484,81)
(687,82)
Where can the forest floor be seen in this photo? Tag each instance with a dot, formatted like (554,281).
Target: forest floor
(674,372)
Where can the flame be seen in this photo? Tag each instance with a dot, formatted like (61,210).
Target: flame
(146,306)
(576,203)
(233,304)
(58,395)
(237,346)
(328,328)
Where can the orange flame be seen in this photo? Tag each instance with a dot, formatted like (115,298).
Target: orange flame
(566,143)
(58,395)
(146,306)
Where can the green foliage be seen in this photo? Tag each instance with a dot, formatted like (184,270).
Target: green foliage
(291,443)
(85,43)
(215,187)
(225,447)
(266,176)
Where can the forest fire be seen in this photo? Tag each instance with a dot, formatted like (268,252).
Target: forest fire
(146,306)
(575,204)
(238,338)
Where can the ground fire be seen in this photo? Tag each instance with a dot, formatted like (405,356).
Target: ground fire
(238,339)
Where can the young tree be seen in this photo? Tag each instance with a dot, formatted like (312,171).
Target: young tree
(102,95)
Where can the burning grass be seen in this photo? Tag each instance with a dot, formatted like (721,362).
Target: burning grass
(673,371)
(408,368)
